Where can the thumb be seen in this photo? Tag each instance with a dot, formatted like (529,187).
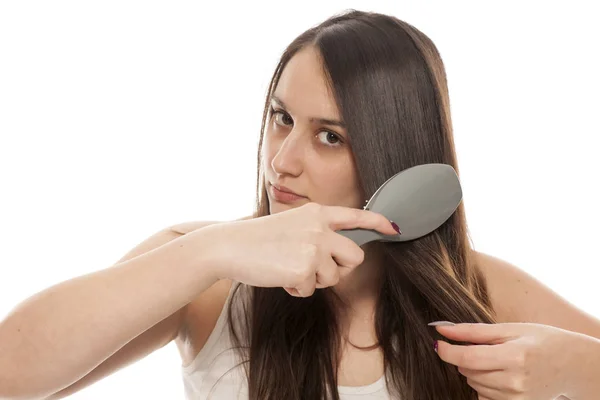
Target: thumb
(480,333)
(340,217)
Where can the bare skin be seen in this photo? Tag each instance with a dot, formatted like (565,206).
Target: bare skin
(309,158)
(315,161)
(357,367)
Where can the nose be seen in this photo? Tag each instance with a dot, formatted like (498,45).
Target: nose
(290,155)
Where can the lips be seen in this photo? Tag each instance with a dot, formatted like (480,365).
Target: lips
(283,194)
(285,190)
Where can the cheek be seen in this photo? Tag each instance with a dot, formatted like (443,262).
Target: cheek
(342,185)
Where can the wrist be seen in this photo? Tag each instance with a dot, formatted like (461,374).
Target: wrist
(212,251)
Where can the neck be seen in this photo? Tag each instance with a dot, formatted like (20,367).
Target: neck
(358,292)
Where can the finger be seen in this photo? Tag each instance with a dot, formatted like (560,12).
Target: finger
(480,357)
(328,273)
(482,333)
(344,255)
(344,251)
(496,379)
(488,393)
(340,217)
(502,380)
(292,291)
(307,287)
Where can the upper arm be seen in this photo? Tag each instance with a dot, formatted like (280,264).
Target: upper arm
(518,297)
(160,334)
(147,342)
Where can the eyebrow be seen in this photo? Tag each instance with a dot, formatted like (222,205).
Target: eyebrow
(324,121)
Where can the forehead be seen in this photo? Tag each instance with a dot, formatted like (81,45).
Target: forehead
(303,86)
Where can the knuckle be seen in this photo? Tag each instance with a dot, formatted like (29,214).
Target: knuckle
(314,264)
(311,250)
(318,230)
(295,278)
(360,256)
(311,262)
(314,208)
(318,234)
(332,277)
(335,280)
(310,269)
(517,384)
(300,275)
(356,258)
(307,274)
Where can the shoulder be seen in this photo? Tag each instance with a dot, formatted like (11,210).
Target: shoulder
(517,296)
(502,278)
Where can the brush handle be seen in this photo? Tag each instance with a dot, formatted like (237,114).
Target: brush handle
(361,236)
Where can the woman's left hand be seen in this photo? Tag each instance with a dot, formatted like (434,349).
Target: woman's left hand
(511,360)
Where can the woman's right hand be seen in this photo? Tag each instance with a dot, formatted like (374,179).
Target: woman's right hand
(297,249)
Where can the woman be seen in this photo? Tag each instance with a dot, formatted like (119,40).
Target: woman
(352,101)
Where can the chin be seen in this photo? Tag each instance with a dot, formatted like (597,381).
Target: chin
(276,207)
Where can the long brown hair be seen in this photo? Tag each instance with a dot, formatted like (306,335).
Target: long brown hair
(390,85)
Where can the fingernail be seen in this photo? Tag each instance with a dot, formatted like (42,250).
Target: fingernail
(441,323)
(435,346)
(396,228)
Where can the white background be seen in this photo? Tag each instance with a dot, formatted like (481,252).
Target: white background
(119,118)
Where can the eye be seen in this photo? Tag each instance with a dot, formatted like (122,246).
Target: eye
(329,138)
(281,117)
(326,137)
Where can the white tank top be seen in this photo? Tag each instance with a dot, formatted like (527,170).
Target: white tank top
(215,373)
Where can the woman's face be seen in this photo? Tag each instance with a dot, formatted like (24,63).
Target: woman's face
(305,147)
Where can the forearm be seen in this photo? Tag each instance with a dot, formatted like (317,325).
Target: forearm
(584,368)
(60,334)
